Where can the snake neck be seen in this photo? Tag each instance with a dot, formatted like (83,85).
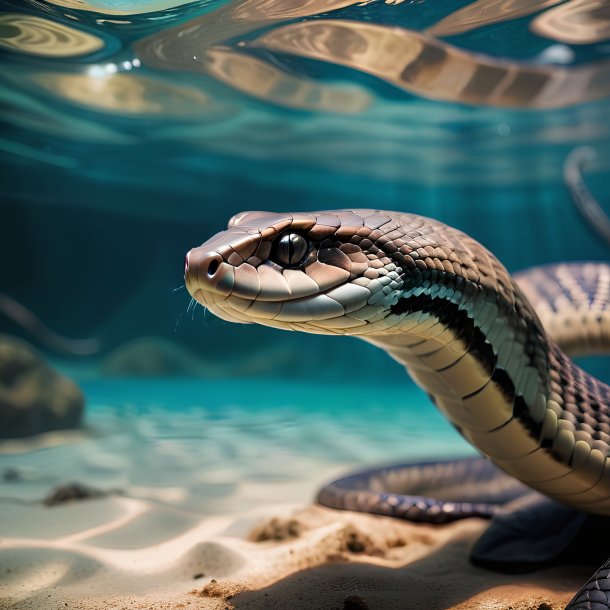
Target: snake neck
(489,366)
(444,306)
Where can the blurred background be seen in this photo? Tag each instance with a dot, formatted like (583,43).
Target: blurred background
(131,131)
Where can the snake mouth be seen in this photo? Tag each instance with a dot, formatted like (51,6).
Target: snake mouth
(210,300)
(338,310)
(299,310)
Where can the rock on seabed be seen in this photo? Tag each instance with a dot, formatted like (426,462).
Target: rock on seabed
(33,397)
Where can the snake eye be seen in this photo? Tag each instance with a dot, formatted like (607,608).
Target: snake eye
(291,250)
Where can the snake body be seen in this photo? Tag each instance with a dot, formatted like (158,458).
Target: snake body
(485,346)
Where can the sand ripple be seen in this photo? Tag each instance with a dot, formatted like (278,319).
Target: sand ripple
(211,512)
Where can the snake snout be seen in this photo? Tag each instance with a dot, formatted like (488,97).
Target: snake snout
(207,271)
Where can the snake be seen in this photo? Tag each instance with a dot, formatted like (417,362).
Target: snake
(494,352)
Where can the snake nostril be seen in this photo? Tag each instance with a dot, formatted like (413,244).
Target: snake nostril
(186,264)
(213,267)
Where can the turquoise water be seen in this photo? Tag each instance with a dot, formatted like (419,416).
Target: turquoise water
(132,130)
(219,448)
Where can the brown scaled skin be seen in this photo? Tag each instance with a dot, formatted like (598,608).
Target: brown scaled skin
(445,307)
(442,305)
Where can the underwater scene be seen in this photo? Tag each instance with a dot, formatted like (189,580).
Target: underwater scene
(184,182)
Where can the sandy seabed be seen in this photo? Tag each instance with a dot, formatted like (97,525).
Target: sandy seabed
(210,512)
(125,553)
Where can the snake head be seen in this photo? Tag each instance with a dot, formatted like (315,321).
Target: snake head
(356,272)
(323,272)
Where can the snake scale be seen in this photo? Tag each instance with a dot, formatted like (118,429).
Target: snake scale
(491,350)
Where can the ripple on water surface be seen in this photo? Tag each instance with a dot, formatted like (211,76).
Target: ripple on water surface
(490,92)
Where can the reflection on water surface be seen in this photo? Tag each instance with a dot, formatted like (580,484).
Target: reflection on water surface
(575,22)
(432,69)
(279,79)
(38,36)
